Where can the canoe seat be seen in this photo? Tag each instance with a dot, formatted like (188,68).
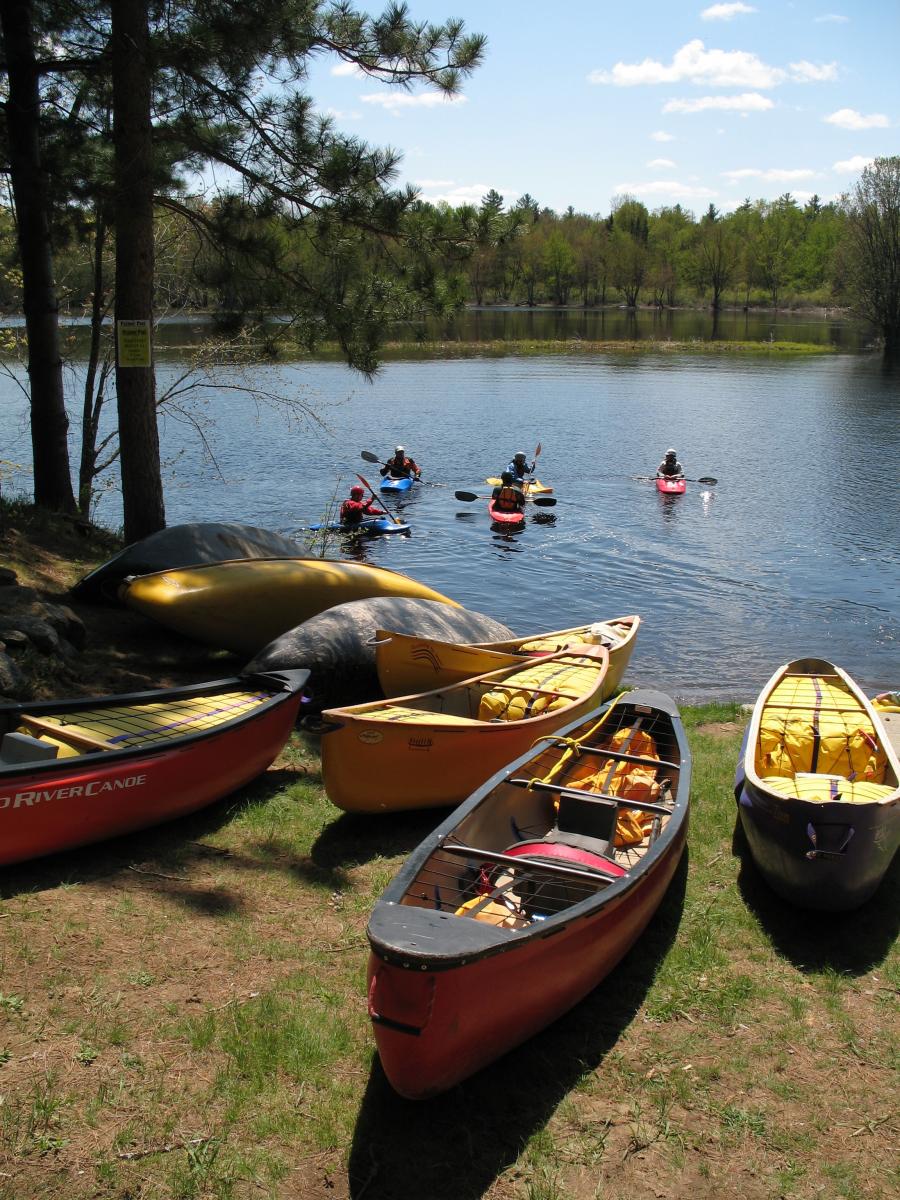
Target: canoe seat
(23,748)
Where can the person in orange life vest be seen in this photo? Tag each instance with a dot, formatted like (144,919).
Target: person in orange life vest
(670,467)
(357,507)
(508,497)
(401,467)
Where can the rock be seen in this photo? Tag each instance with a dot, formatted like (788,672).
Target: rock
(335,645)
(40,633)
(66,623)
(14,640)
(12,682)
(183,546)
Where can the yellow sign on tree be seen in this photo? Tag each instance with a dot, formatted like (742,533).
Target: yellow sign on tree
(133,343)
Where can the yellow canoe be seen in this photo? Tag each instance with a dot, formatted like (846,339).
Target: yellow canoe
(243,604)
(412,664)
(433,749)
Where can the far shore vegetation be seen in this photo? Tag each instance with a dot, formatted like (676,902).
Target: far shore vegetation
(113,111)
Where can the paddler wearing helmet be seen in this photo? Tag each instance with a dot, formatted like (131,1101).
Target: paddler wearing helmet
(357,506)
(508,497)
(670,467)
(400,466)
(519,467)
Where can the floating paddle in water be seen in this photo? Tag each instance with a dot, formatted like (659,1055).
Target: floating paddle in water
(542,501)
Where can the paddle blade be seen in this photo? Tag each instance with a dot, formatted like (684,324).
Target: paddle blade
(543,501)
(466,496)
(537,450)
(369,456)
(707,479)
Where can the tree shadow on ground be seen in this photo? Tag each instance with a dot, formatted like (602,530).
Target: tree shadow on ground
(454,1146)
(850,942)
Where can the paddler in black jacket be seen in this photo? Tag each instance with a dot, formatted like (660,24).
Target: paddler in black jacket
(401,467)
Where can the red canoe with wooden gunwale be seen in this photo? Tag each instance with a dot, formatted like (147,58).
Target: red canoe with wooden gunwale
(529,894)
(79,771)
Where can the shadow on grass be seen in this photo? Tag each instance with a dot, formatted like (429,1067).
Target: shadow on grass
(454,1146)
(163,855)
(354,838)
(850,942)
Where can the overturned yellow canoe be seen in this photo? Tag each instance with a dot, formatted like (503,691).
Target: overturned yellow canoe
(243,604)
(416,664)
(433,749)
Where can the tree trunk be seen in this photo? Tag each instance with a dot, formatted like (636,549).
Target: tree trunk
(142,495)
(49,423)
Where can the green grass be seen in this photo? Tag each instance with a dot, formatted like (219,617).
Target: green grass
(197,1027)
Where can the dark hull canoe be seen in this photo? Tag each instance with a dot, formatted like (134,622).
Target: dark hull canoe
(128,762)
(831,855)
(449,991)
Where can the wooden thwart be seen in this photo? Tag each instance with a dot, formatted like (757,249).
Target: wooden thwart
(65,733)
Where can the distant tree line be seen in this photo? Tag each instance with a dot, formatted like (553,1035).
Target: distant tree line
(112,110)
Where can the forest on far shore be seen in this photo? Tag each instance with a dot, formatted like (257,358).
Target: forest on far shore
(773,253)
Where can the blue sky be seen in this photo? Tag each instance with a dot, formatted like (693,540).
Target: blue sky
(671,102)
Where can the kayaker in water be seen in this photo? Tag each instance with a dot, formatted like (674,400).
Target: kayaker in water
(508,497)
(357,507)
(670,467)
(401,467)
(519,467)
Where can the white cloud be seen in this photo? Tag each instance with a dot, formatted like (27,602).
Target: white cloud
(849,166)
(724,12)
(746,102)
(395,101)
(693,63)
(661,136)
(773,175)
(661,162)
(447,191)
(849,118)
(832,19)
(345,68)
(807,72)
(668,188)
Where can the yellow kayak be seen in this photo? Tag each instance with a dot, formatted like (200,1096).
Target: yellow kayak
(531,487)
(244,604)
(433,749)
(408,664)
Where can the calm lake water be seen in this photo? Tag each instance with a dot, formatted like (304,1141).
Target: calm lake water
(795,551)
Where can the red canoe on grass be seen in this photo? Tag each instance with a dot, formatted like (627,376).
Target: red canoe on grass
(575,842)
(78,771)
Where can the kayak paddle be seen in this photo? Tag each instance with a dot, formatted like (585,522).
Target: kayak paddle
(542,501)
(366,483)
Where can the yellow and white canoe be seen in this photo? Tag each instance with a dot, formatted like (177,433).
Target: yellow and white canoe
(414,664)
(433,749)
(243,604)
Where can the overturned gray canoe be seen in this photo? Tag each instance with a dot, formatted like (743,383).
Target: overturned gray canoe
(183,546)
(337,646)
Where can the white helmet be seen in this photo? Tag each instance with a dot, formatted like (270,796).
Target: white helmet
(670,453)
(399,450)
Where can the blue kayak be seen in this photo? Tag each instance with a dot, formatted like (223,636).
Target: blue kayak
(396,483)
(366,525)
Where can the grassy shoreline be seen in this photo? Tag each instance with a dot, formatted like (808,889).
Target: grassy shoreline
(183,1015)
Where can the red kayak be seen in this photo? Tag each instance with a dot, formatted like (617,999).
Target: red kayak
(670,487)
(510,520)
(78,771)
